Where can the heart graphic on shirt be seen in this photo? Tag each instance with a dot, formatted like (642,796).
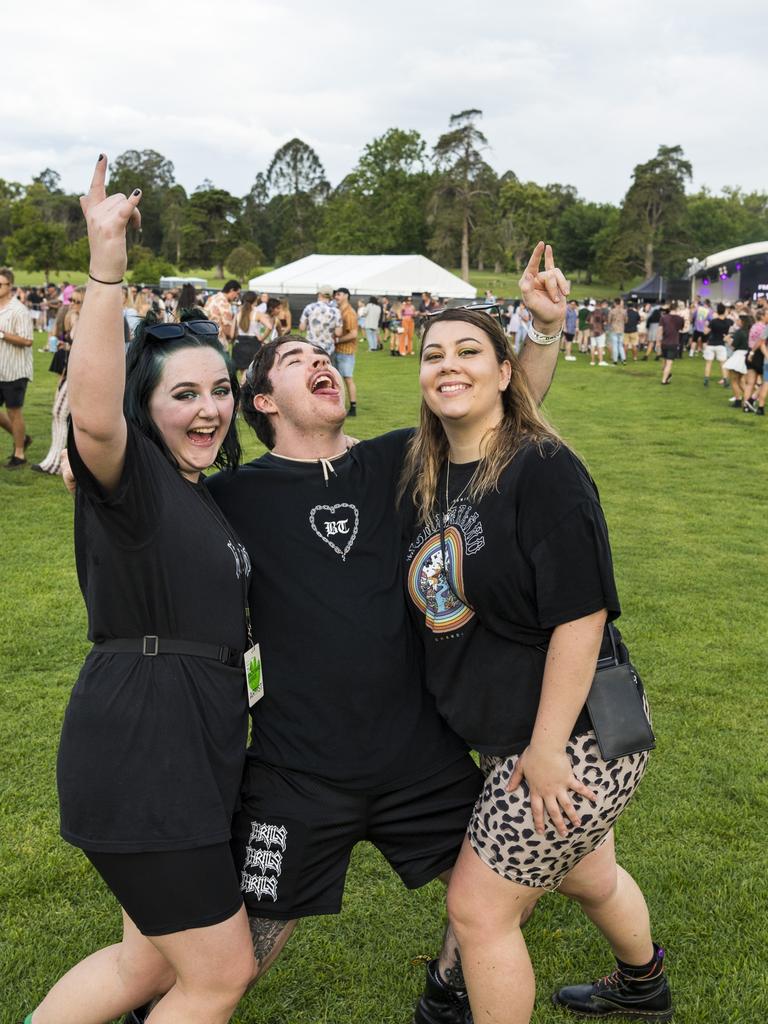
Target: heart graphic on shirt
(336,525)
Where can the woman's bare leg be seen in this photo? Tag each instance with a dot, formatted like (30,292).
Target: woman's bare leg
(612,900)
(109,982)
(485,911)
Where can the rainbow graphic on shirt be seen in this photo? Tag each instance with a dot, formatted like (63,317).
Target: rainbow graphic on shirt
(428,584)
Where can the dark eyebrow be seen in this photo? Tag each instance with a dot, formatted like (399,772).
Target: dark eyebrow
(458,341)
(194,383)
(290,352)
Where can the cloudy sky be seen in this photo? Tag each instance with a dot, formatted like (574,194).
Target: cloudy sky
(575,92)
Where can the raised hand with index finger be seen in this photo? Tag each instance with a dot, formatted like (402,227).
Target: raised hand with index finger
(545,291)
(107,218)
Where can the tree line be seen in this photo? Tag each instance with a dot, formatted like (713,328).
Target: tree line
(402,196)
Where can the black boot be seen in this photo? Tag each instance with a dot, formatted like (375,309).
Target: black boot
(137,1016)
(440,1004)
(627,995)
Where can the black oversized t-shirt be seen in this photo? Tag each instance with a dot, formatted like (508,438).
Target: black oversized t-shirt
(343,687)
(152,748)
(507,571)
(718,329)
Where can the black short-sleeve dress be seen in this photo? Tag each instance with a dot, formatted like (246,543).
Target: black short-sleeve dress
(152,748)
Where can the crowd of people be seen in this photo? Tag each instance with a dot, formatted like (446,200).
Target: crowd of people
(211,596)
(608,332)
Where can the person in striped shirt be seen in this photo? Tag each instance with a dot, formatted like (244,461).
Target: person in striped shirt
(15,367)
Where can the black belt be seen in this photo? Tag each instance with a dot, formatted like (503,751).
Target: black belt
(151,646)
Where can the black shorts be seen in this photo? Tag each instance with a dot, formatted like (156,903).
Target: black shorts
(12,392)
(243,351)
(293,835)
(670,353)
(757,362)
(567,336)
(172,890)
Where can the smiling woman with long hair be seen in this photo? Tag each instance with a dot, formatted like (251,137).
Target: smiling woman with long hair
(510,578)
(153,740)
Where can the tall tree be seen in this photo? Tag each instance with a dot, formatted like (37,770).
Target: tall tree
(380,206)
(574,235)
(172,219)
(210,228)
(154,175)
(459,187)
(297,176)
(653,212)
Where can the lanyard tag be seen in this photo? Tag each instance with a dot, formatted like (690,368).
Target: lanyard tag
(253,675)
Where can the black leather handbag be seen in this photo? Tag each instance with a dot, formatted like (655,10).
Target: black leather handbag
(615,703)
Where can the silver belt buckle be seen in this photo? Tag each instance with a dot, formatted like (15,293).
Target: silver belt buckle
(150,646)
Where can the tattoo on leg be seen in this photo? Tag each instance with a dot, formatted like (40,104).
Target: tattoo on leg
(264,934)
(454,975)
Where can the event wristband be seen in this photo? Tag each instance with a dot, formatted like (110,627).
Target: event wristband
(543,339)
(2,335)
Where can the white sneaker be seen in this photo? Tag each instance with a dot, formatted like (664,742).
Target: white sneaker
(570,359)
(603,363)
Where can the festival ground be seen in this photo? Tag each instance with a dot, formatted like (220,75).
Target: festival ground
(682,481)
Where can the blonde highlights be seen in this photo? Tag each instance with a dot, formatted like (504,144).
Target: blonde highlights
(521,424)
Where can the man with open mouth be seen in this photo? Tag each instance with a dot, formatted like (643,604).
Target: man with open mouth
(346,742)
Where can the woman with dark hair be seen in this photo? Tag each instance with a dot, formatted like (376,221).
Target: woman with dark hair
(188,299)
(153,741)
(510,578)
(247,341)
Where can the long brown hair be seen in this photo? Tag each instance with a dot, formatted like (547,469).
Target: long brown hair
(248,301)
(521,423)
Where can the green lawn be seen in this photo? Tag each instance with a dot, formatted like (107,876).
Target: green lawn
(682,479)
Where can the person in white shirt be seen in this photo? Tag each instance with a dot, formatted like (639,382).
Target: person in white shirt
(372,321)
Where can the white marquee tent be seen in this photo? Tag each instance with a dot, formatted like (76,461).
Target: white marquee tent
(364,275)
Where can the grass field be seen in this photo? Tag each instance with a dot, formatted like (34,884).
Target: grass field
(682,479)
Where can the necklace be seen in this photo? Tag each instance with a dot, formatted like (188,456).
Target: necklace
(449,507)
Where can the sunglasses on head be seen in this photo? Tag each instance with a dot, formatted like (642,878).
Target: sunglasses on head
(491,308)
(164,332)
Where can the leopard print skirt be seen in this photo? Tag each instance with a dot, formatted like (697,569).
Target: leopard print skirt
(501,829)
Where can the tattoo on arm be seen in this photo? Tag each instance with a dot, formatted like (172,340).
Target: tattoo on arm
(264,934)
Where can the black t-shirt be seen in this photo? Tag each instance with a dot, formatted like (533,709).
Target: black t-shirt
(654,316)
(671,325)
(343,683)
(521,561)
(633,319)
(718,329)
(740,339)
(152,748)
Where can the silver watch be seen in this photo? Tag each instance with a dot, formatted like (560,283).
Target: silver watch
(543,339)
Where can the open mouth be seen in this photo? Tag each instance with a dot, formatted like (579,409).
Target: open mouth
(324,384)
(453,389)
(202,436)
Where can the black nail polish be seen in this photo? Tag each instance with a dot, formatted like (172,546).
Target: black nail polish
(101,157)
(137,191)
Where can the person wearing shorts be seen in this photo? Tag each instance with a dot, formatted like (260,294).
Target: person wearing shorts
(631,336)
(671,324)
(510,579)
(16,360)
(346,347)
(715,347)
(653,328)
(597,337)
(570,329)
